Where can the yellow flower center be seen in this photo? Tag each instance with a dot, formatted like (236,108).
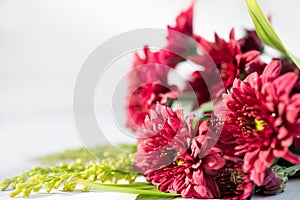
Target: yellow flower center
(260,124)
(180,163)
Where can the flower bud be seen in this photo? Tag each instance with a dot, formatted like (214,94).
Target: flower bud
(37,188)
(15,193)
(79,161)
(26,192)
(274,182)
(4,184)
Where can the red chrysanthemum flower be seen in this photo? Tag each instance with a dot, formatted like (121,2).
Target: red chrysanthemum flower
(289,66)
(153,67)
(200,87)
(230,61)
(177,157)
(180,39)
(251,41)
(147,69)
(184,22)
(148,84)
(144,98)
(262,119)
(232,182)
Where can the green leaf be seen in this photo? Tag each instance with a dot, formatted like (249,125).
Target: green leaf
(265,30)
(144,189)
(200,118)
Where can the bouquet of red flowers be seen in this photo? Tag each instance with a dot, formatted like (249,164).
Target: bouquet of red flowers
(236,145)
(241,136)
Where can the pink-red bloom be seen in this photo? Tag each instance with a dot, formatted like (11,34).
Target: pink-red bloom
(289,66)
(263,119)
(144,98)
(184,22)
(148,76)
(147,68)
(177,157)
(147,85)
(180,39)
(223,62)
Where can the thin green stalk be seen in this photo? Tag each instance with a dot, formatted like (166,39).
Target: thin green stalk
(125,188)
(291,171)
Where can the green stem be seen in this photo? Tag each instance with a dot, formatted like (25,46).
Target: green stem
(140,188)
(291,171)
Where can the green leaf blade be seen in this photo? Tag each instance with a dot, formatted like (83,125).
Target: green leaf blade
(126,188)
(265,30)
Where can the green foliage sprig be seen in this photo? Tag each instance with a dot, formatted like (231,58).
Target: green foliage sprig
(113,166)
(98,152)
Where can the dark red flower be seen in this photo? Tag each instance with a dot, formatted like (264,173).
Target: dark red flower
(227,56)
(200,87)
(262,119)
(223,62)
(148,84)
(180,39)
(251,41)
(147,68)
(297,142)
(153,67)
(144,98)
(184,21)
(257,66)
(177,157)
(232,182)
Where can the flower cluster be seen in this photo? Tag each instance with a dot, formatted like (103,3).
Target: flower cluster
(231,151)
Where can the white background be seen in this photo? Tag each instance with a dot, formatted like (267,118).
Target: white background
(44,43)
